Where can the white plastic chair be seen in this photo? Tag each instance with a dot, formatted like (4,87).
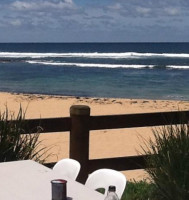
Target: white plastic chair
(68,168)
(103,178)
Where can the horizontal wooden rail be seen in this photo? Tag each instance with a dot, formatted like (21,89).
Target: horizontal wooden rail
(138,120)
(120,163)
(110,121)
(52,125)
(48,124)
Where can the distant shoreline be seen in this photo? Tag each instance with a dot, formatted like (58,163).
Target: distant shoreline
(86,97)
(62,96)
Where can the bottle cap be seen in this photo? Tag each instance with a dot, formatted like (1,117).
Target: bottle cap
(112,188)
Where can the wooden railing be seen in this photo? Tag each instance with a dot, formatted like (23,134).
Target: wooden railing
(80,123)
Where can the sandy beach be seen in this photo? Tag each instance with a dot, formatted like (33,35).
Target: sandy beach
(104,143)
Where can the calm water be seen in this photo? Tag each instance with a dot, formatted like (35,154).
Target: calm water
(131,70)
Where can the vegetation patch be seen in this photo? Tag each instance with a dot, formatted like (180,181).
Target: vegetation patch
(168,163)
(17,140)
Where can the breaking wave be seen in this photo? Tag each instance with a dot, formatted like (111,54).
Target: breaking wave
(126,55)
(104,65)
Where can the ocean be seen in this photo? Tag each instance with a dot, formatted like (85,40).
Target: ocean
(118,70)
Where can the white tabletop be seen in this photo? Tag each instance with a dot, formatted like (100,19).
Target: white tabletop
(21,180)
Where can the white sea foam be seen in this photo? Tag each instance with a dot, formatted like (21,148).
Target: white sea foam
(103,65)
(90,64)
(177,67)
(126,55)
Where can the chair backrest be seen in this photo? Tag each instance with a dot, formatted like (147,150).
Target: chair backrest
(68,168)
(103,178)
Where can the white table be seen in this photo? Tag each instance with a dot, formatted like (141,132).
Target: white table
(21,180)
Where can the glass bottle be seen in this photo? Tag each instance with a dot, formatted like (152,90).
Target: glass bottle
(111,195)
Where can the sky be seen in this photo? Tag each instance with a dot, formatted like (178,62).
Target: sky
(94,20)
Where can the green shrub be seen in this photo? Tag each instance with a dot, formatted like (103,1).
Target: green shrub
(140,190)
(16,142)
(168,165)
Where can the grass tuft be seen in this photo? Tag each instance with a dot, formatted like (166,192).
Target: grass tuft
(16,140)
(168,165)
(138,190)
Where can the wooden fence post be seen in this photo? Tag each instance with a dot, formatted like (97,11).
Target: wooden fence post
(79,138)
